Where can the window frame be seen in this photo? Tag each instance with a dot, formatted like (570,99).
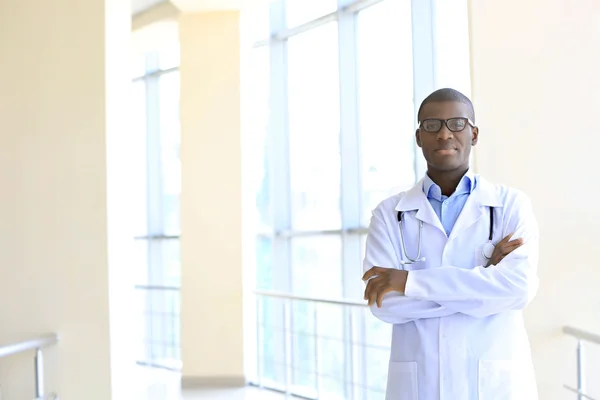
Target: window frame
(156,352)
(425,68)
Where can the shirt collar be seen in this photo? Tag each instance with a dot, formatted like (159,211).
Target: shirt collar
(433,191)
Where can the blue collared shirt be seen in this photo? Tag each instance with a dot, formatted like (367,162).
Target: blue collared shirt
(449,208)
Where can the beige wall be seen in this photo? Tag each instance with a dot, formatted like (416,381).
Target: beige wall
(536,87)
(53,170)
(212,315)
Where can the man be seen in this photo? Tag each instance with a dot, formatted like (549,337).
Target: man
(458,329)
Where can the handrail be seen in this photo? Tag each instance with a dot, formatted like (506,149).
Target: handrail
(157,287)
(582,335)
(36,344)
(281,295)
(32,344)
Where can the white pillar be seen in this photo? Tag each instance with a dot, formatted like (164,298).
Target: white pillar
(54,120)
(211,200)
(535,86)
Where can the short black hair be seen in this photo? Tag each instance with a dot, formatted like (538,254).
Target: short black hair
(447,94)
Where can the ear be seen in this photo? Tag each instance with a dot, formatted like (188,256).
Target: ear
(418,137)
(475,136)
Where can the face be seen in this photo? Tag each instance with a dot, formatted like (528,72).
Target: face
(446,150)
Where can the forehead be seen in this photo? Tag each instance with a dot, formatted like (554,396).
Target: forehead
(444,110)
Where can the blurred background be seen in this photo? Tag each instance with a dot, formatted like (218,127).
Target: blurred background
(188,185)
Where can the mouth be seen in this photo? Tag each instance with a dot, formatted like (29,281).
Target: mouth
(446,151)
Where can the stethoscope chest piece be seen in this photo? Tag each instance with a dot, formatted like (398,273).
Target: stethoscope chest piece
(488,250)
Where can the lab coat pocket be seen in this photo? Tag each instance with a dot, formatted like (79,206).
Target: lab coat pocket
(496,380)
(402,381)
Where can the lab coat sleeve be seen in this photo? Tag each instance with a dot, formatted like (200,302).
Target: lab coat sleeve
(396,308)
(480,292)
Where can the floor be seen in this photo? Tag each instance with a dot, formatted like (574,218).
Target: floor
(233,394)
(158,384)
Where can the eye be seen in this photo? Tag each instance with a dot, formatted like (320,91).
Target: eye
(456,124)
(431,125)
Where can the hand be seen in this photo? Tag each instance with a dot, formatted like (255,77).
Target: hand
(382,281)
(504,248)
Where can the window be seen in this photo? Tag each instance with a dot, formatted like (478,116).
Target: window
(387,110)
(157,219)
(334,90)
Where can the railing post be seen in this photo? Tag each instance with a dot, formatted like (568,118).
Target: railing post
(316,338)
(39,374)
(259,343)
(580,377)
(287,348)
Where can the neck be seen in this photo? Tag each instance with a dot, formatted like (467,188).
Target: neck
(447,180)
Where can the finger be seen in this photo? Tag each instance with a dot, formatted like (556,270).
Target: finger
(372,296)
(516,245)
(375,287)
(380,295)
(509,248)
(371,285)
(366,295)
(506,239)
(372,272)
(367,290)
(502,247)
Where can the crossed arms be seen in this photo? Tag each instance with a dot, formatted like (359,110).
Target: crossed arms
(446,290)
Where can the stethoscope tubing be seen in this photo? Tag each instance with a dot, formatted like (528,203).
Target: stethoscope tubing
(419,258)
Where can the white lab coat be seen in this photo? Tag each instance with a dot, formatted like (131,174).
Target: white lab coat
(458,330)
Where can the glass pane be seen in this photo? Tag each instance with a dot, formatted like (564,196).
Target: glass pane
(164,263)
(378,333)
(377,368)
(161,317)
(317,266)
(272,342)
(139,263)
(264,264)
(169,57)
(138,64)
(373,394)
(386,101)
(256,149)
(170,146)
(139,186)
(301,11)
(452,43)
(303,372)
(255,20)
(304,349)
(332,357)
(138,321)
(314,129)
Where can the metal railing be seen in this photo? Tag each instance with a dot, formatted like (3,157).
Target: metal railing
(316,348)
(36,344)
(582,337)
(161,320)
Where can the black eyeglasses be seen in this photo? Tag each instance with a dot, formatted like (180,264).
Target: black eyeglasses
(458,124)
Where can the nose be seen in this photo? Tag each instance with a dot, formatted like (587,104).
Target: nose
(444,133)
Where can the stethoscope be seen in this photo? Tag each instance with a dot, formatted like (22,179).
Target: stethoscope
(486,251)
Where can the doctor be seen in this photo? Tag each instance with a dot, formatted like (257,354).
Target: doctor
(451,263)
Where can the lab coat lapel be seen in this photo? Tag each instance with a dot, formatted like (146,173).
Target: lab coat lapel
(470,214)
(484,195)
(415,199)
